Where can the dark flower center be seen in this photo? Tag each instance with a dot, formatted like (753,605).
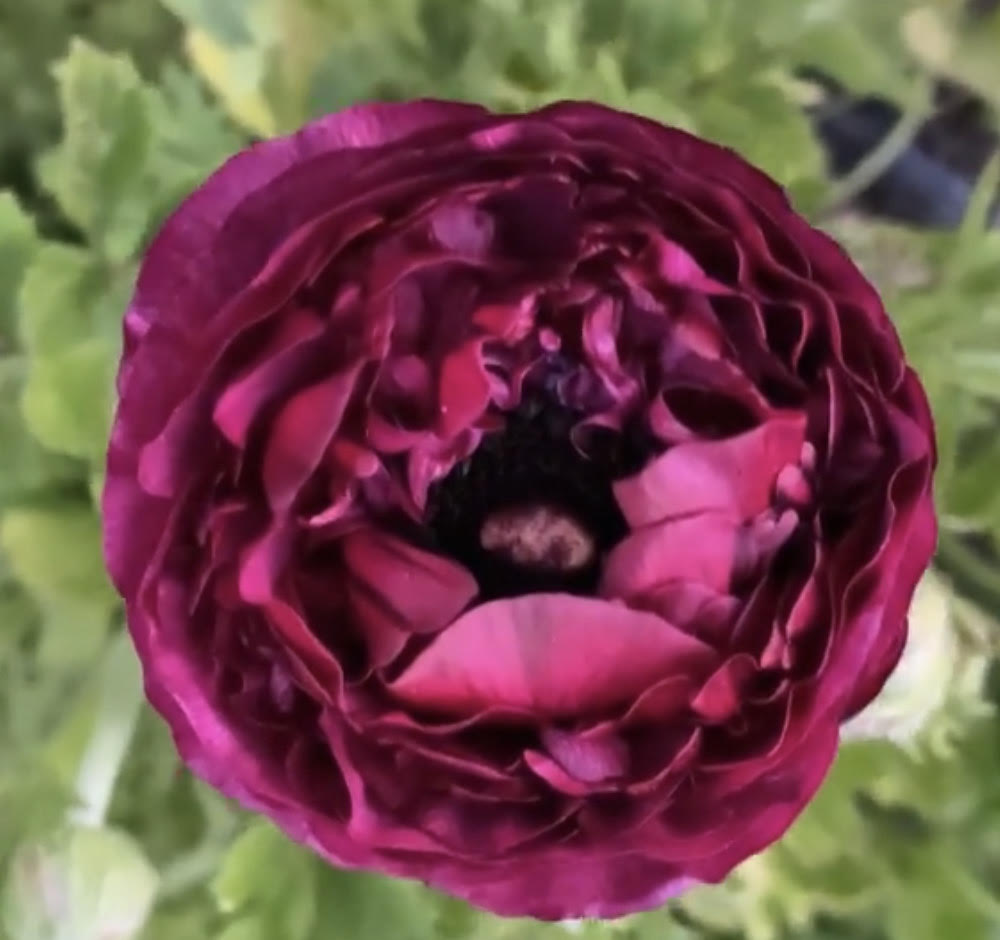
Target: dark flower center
(528,512)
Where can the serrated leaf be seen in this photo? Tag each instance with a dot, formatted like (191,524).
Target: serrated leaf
(193,136)
(68,399)
(978,371)
(58,298)
(28,468)
(370,907)
(455,919)
(856,52)
(263,869)
(191,920)
(788,151)
(96,171)
(226,20)
(17,243)
(56,555)
(972,486)
(237,76)
(936,900)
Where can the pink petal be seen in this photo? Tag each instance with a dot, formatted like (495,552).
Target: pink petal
(577,764)
(180,278)
(380,626)
(694,608)
(241,401)
(696,548)
(462,228)
(722,696)
(590,756)
(736,474)
(421,591)
(587,121)
(464,389)
(301,434)
(556,655)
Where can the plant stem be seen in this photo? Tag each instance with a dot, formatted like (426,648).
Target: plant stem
(115,721)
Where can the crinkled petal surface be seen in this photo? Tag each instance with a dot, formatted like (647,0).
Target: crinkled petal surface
(351,345)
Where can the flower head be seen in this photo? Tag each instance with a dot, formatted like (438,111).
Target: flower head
(518,503)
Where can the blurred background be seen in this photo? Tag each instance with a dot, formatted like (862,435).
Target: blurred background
(879,116)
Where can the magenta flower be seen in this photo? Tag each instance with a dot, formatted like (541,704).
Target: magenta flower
(516,503)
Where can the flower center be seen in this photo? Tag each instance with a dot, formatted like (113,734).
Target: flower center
(528,512)
(538,536)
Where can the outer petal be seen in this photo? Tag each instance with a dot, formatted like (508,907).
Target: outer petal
(421,591)
(179,277)
(671,146)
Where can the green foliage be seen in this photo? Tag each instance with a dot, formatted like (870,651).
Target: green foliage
(81,883)
(899,844)
(32,36)
(55,554)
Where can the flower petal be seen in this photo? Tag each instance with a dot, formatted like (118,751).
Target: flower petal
(557,655)
(242,400)
(181,278)
(464,389)
(735,474)
(420,591)
(301,434)
(695,548)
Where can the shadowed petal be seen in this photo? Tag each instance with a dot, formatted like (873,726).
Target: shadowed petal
(240,403)
(419,591)
(180,277)
(464,389)
(301,434)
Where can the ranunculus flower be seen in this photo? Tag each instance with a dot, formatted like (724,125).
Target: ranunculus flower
(516,503)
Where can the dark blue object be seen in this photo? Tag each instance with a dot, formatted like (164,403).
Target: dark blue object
(931,182)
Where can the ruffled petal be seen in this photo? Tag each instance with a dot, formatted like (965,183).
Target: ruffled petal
(421,592)
(735,475)
(694,548)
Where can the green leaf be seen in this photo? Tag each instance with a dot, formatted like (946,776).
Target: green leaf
(370,907)
(264,870)
(69,399)
(193,136)
(96,172)
(860,48)
(938,899)
(978,371)
(972,491)
(225,20)
(56,555)
(17,243)
(61,292)
(246,928)
(455,919)
(733,116)
(28,468)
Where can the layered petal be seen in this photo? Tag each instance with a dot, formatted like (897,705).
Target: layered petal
(354,348)
(554,655)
